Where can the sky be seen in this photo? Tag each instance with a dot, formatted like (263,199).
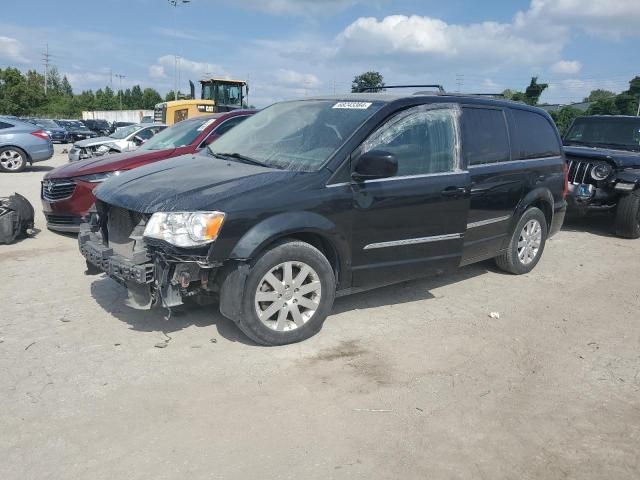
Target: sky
(293,48)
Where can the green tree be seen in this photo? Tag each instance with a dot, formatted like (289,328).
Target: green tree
(149,98)
(54,82)
(87,100)
(604,106)
(136,97)
(65,87)
(170,96)
(599,94)
(530,96)
(368,80)
(565,117)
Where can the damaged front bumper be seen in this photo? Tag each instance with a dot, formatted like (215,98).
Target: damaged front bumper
(151,278)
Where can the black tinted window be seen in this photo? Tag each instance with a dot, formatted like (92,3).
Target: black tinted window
(5,125)
(534,136)
(484,136)
(229,124)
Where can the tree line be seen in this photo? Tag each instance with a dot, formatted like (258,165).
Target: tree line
(603,102)
(23,94)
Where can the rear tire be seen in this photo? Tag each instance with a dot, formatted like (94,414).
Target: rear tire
(526,244)
(628,216)
(288,294)
(12,159)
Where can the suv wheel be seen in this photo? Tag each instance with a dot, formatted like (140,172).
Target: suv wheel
(526,245)
(12,159)
(628,216)
(288,294)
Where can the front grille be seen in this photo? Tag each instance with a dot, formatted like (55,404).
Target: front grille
(125,229)
(55,190)
(64,220)
(160,114)
(580,172)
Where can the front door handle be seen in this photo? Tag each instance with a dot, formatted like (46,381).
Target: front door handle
(453,191)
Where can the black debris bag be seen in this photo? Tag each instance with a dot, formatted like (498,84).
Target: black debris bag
(16,218)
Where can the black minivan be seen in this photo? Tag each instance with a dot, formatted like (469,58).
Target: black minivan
(327,196)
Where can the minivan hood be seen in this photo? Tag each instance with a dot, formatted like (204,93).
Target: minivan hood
(188,183)
(621,158)
(109,163)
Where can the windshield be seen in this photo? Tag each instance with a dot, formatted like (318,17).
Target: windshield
(299,135)
(615,132)
(124,132)
(180,135)
(44,123)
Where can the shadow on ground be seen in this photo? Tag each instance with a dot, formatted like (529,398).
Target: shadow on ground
(40,168)
(111,297)
(597,224)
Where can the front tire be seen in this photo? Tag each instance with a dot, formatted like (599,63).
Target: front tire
(526,244)
(12,160)
(288,294)
(628,216)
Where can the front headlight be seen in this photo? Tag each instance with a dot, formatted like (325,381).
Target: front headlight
(601,171)
(185,229)
(98,177)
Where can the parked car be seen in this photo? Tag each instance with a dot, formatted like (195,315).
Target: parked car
(56,132)
(76,130)
(22,143)
(603,153)
(102,128)
(327,196)
(122,140)
(67,192)
(147,119)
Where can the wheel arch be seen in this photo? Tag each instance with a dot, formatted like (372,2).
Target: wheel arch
(308,227)
(541,198)
(28,157)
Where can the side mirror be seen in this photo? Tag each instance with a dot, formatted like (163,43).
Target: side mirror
(138,140)
(375,164)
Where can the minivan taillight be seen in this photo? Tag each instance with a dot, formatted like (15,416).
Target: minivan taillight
(40,134)
(565,190)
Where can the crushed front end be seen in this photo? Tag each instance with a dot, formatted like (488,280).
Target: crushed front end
(596,185)
(154,272)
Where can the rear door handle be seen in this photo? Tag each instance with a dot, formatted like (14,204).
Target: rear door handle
(453,191)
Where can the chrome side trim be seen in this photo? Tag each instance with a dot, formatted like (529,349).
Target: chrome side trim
(413,241)
(489,221)
(423,175)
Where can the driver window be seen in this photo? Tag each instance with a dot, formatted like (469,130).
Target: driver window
(422,140)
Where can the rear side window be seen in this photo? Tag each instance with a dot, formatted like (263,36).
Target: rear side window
(484,136)
(5,125)
(534,136)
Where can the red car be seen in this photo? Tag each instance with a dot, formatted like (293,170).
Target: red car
(67,192)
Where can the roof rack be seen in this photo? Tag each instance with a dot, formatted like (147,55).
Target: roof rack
(497,95)
(377,89)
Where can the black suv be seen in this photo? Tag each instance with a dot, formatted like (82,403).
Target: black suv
(604,169)
(328,196)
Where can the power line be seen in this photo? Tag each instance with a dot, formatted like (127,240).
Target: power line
(120,77)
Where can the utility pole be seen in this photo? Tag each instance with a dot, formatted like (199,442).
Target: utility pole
(175,4)
(111,78)
(120,77)
(45,60)
(459,81)
(176,60)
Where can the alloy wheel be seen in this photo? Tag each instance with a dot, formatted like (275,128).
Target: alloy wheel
(529,242)
(288,296)
(11,160)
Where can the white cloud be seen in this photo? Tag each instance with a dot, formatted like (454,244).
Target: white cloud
(488,43)
(187,66)
(614,18)
(566,67)
(157,72)
(172,33)
(291,78)
(12,50)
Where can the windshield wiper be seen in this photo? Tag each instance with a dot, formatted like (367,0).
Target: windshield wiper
(242,158)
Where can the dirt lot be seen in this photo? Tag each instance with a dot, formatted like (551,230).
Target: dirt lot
(410,381)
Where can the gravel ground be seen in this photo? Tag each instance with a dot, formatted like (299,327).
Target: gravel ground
(410,381)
